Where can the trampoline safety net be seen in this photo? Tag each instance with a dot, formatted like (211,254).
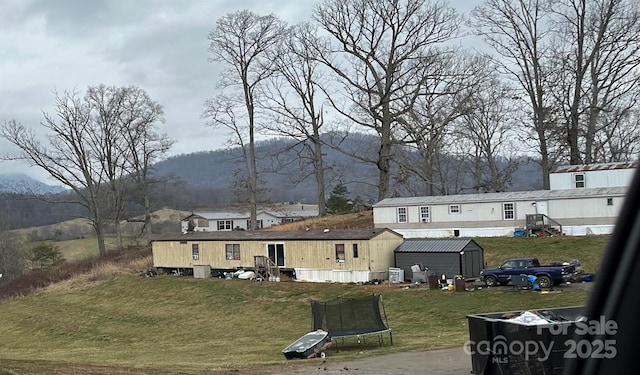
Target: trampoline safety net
(345,317)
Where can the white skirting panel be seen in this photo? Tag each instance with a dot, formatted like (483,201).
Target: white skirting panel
(334,276)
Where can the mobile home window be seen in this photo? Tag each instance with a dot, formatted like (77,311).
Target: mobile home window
(508,211)
(424,214)
(225,224)
(355,250)
(233,251)
(195,251)
(609,201)
(258,224)
(454,209)
(579,180)
(339,252)
(402,214)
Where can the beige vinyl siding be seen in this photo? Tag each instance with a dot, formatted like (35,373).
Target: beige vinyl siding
(375,254)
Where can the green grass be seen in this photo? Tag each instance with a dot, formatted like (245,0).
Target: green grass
(86,247)
(588,249)
(132,325)
(195,325)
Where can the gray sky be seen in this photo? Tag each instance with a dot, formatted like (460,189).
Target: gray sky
(159,46)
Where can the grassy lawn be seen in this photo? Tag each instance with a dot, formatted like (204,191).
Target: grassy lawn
(194,325)
(131,324)
(87,247)
(588,249)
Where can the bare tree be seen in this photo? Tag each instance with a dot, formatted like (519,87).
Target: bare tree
(446,96)
(294,98)
(70,156)
(486,133)
(12,254)
(517,31)
(105,106)
(597,75)
(143,144)
(242,41)
(89,148)
(621,141)
(382,54)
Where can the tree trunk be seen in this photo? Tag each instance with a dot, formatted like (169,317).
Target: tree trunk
(384,165)
(544,162)
(319,172)
(118,229)
(147,217)
(253,172)
(102,248)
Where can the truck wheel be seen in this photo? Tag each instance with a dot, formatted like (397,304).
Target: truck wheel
(544,281)
(490,280)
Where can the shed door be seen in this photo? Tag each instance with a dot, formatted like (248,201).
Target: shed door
(472,263)
(276,253)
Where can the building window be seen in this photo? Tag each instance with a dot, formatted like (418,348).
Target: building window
(454,209)
(355,250)
(579,180)
(424,214)
(195,251)
(508,211)
(340,252)
(402,214)
(225,224)
(609,201)
(233,251)
(258,222)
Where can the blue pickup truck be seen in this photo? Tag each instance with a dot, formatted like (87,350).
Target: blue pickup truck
(546,275)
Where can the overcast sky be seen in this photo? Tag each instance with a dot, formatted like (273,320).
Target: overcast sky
(160,46)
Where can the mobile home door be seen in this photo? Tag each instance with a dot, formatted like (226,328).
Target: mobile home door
(276,253)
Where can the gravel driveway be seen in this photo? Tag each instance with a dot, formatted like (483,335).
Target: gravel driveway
(453,361)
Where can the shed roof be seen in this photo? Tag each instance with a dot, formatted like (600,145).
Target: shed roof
(506,196)
(595,167)
(434,245)
(273,235)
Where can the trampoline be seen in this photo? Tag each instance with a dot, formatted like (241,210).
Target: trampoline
(352,317)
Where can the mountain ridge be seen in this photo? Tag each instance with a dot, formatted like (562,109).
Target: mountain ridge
(23,183)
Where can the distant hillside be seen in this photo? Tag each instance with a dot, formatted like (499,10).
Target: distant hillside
(288,176)
(21,183)
(210,180)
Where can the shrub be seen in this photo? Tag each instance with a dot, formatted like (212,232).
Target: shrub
(46,255)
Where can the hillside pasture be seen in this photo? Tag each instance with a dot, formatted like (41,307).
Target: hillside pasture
(101,316)
(183,325)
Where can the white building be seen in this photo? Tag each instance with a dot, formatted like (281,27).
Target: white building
(583,200)
(234,220)
(592,175)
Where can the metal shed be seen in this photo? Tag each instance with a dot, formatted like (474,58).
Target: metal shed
(448,256)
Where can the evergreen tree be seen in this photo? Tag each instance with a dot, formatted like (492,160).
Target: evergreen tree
(338,202)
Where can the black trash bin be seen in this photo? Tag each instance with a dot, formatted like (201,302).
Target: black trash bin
(499,346)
